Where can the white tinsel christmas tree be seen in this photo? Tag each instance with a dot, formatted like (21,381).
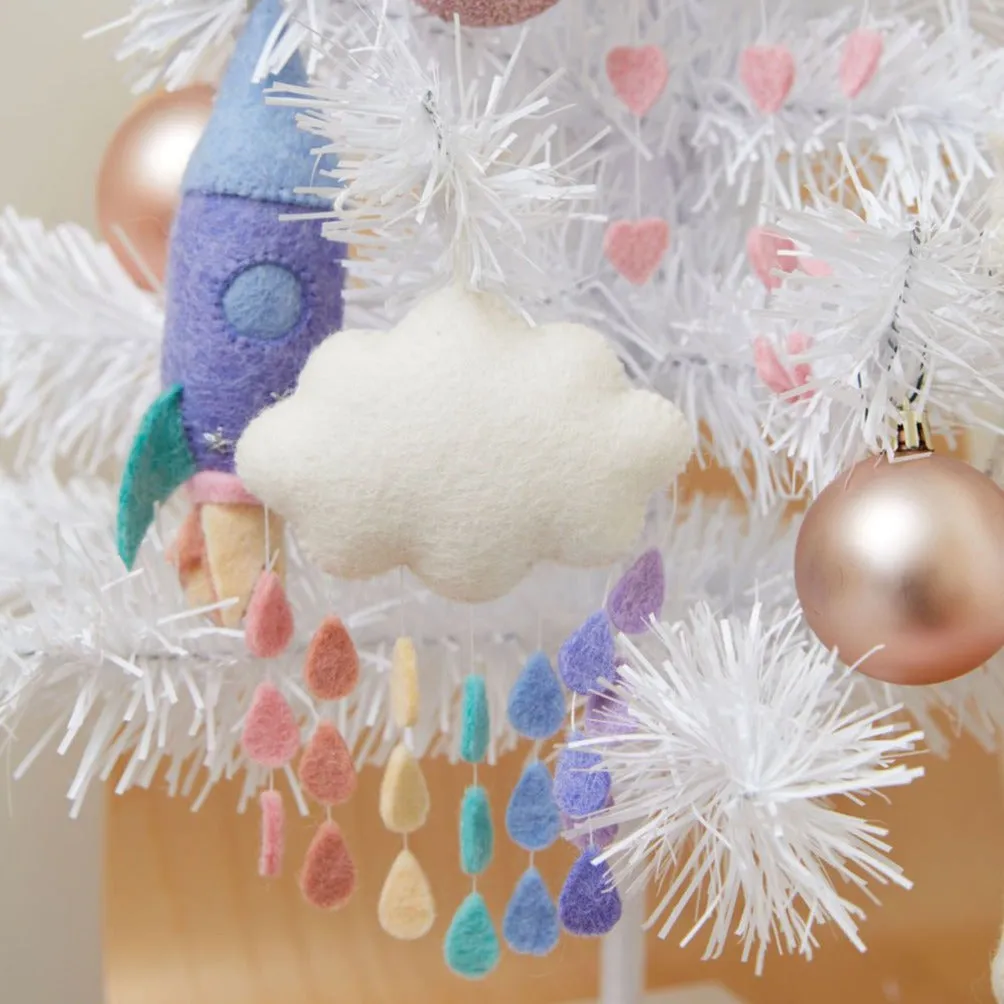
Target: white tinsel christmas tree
(782,215)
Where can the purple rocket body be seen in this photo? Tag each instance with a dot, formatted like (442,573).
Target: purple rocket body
(249,296)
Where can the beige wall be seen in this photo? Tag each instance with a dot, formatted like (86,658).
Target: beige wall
(60,100)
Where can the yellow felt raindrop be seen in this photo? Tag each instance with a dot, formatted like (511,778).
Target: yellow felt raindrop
(404,795)
(407,909)
(404,684)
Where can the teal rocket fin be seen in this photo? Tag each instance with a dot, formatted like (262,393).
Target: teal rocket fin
(159,463)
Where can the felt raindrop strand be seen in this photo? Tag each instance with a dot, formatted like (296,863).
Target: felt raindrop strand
(536,711)
(471,948)
(589,903)
(327,772)
(407,908)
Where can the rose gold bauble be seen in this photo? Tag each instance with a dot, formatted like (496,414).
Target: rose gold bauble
(488,13)
(139,184)
(908,554)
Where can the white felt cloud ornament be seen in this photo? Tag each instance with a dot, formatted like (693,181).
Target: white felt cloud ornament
(466,445)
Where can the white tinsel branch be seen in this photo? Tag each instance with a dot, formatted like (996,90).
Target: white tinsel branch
(906,308)
(437,177)
(176,42)
(79,347)
(745,739)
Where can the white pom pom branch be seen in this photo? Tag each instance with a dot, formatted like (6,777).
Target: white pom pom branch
(744,741)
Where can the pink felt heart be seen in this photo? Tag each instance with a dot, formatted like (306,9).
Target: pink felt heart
(774,374)
(636,247)
(815,267)
(268,623)
(271,735)
(763,249)
(638,75)
(768,74)
(859,61)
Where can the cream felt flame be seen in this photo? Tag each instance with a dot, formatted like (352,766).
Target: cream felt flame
(466,445)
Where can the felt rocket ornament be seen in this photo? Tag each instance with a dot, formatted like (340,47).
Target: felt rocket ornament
(248,297)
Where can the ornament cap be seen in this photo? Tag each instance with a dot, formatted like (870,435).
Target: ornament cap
(913,435)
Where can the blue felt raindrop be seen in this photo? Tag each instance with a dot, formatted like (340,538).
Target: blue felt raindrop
(537,702)
(474,726)
(588,656)
(471,948)
(530,926)
(589,904)
(581,787)
(532,818)
(477,835)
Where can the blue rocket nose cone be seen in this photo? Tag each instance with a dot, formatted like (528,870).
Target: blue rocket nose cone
(250,148)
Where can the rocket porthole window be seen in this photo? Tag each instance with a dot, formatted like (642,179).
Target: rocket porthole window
(264,301)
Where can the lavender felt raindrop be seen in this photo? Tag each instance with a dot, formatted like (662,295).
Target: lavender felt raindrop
(532,818)
(536,701)
(598,837)
(477,834)
(589,904)
(607,714)
(581,786)
(472,947)
(474,724)
(639,594)
(530,925)
(588,655)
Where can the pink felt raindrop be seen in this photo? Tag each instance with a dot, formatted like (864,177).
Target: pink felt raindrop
(271,735)
(268,624)
(638,75)
(328,878)
(331,670)
(636,247)
(327,773)
(273,834)
(768,74)
(763,249)
(859,60)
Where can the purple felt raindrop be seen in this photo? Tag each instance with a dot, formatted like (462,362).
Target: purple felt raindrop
(599,837)
(639,595)
(607,714)
(581,786)
(589,905)
(588,656)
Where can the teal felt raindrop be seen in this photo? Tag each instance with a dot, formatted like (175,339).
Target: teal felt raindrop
(532,818)
(530,926)
(472,947)
(536,701)
(474,726)
(477,835)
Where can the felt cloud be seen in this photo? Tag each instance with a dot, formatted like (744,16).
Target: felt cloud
(466,445)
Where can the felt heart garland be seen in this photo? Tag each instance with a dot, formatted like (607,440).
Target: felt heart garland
(639,75)
(636,248)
